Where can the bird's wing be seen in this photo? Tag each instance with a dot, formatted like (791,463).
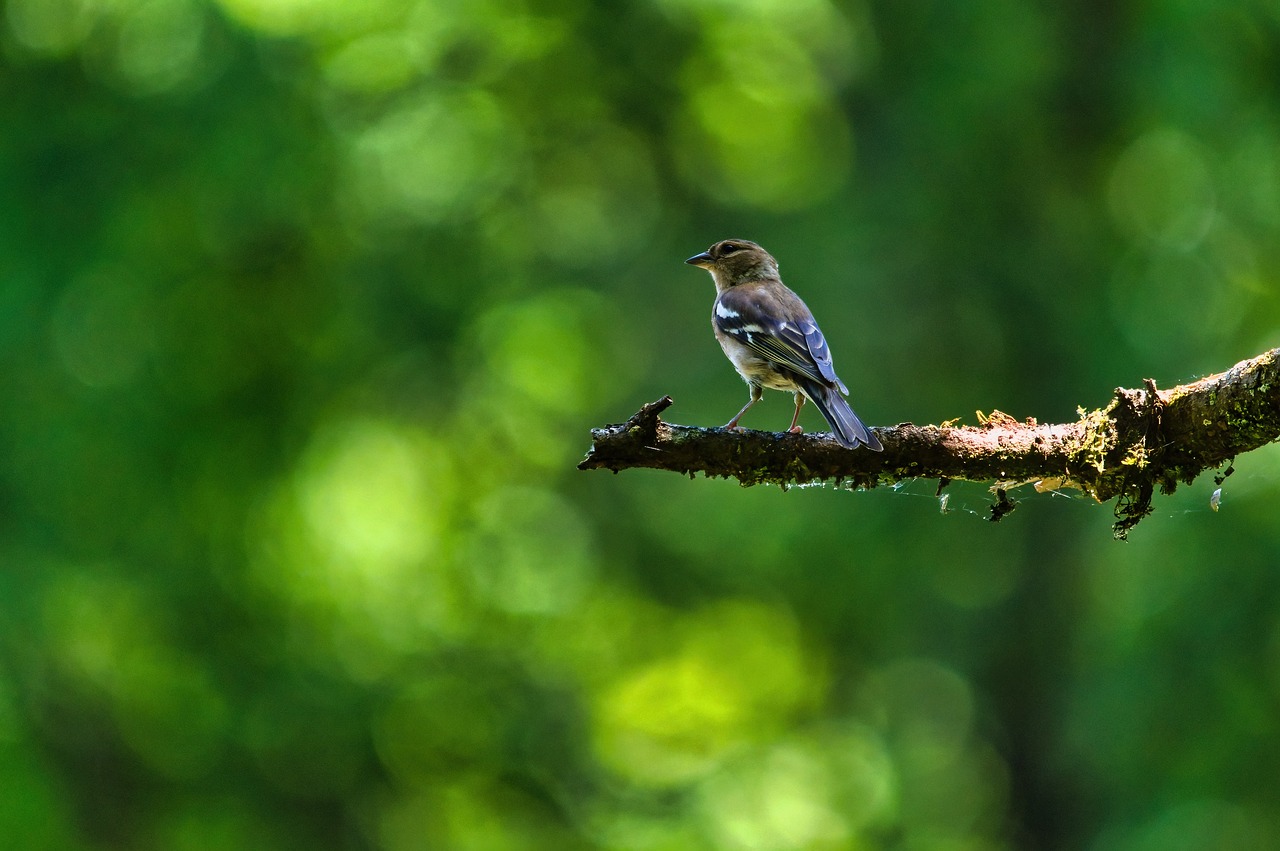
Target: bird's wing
(817,345)
(778,330)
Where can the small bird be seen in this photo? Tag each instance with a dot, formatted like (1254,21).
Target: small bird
(770,336)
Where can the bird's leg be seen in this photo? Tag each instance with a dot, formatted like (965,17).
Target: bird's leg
(756,392)
(795,429)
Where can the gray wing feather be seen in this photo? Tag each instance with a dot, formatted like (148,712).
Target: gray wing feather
(796,345)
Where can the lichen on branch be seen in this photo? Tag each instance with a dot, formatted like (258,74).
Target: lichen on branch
(1143,440)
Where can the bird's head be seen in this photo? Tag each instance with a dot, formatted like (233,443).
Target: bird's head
(736,261)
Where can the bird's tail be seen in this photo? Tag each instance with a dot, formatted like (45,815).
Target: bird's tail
(844,422)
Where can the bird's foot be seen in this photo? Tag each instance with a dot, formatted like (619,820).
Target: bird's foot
(796,430)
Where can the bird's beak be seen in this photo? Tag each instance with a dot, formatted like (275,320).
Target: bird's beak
(704,260)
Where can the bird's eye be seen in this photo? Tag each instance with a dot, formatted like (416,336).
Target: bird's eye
(728,248)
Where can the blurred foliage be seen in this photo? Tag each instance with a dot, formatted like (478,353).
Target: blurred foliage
(306,308)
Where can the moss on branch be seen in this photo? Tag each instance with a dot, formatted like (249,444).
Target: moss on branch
(1141,441)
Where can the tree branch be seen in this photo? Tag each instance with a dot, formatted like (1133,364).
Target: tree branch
(1143,439)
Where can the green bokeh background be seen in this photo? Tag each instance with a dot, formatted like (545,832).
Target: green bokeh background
(307,307)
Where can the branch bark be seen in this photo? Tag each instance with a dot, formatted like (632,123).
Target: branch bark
(1142,440)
